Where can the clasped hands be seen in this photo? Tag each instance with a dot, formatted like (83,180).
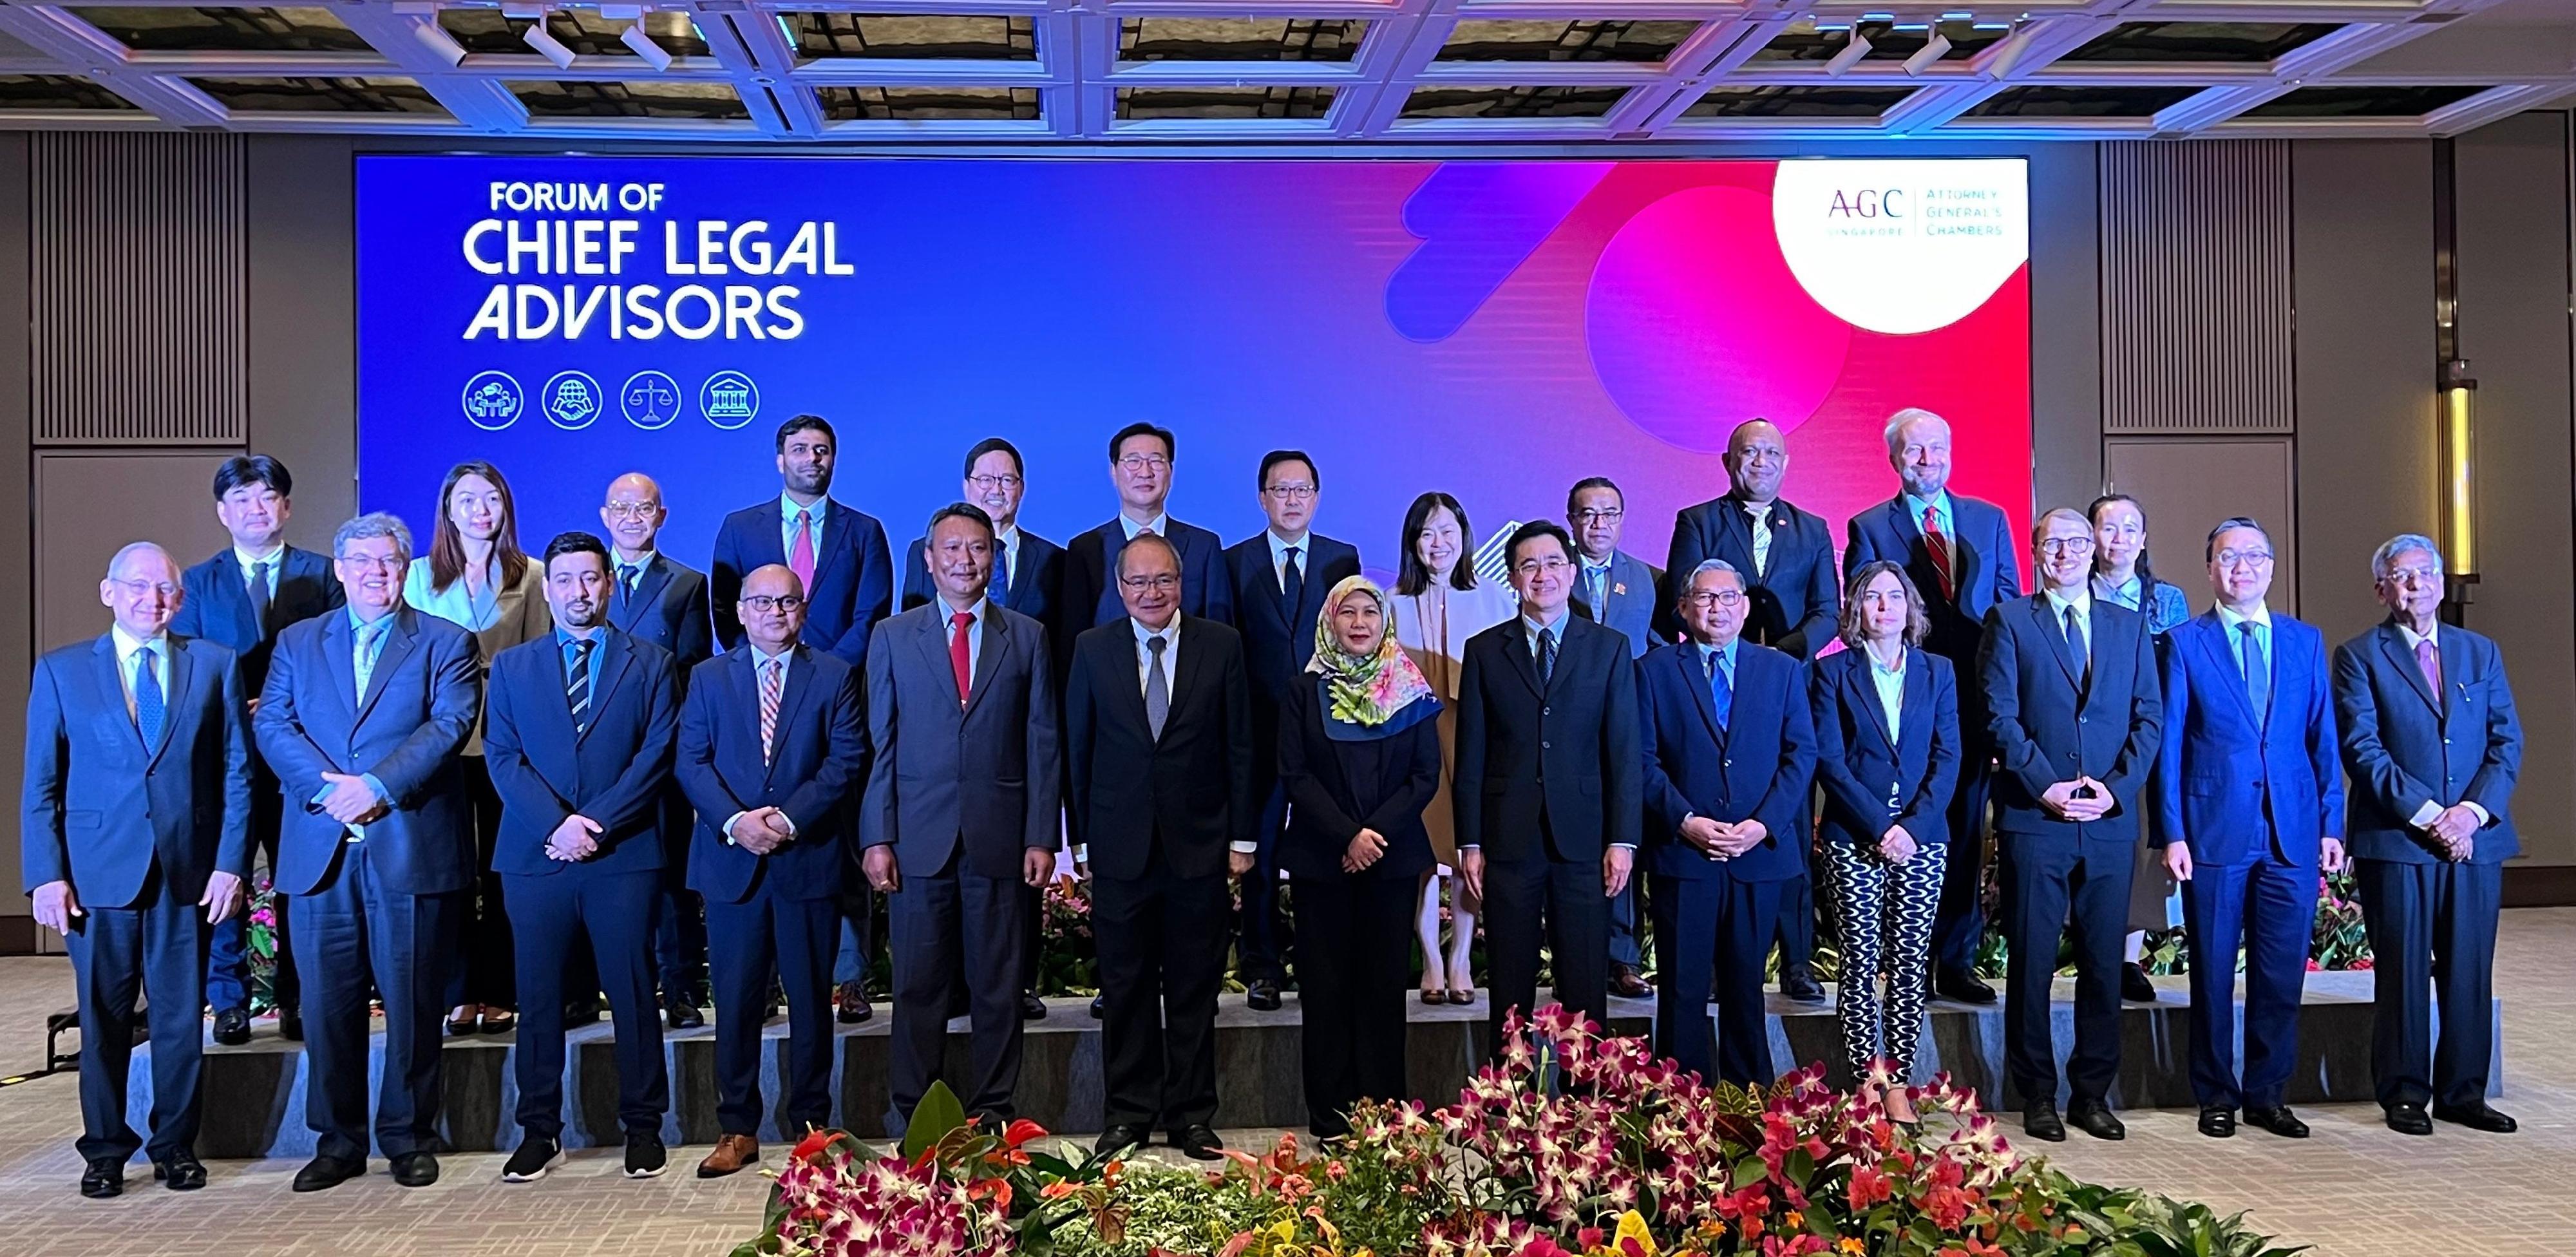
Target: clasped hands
(1719,840)
(2065,803)
(573,841)
(2456,829)
(348,799)
(762,830)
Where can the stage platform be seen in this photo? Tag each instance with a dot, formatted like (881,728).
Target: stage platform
(255,1093)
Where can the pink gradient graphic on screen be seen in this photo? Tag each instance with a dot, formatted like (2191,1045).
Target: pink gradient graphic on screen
(1695,321)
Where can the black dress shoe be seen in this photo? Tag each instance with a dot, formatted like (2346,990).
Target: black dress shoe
(2096,1119)
(2280,1121)
(2134,985)
(1799,983)
(324,1173)
(581,1012)
(2478,1117)
(2040,1121)
(682,1013)
(850,1005)
(1199,1143)
(1031,1007)
(2220,1123)
(180,1172)
(416,1169)
(1099,1007)
(1627,983)
(1261,995)
(232,1026)
(1967,988)
(103,1178)
(2409,1119)
(290,1026)
(1118,1137)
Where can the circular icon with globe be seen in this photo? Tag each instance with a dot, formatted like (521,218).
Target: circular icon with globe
(572,399)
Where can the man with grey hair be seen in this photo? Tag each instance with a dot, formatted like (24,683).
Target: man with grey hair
(135,839)
(2431,747)
(1959,553)
(362,719)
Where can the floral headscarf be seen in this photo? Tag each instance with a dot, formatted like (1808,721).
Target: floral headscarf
(1366,696)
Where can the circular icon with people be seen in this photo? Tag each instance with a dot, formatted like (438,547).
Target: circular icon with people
(493,401)
(572,399)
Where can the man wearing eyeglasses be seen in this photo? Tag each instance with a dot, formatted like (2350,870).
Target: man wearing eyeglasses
(2252,811)
(1142,458)
(2075,709)
(1616,589)
(1280,580)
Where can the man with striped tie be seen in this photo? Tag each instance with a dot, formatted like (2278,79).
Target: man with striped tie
(578,730)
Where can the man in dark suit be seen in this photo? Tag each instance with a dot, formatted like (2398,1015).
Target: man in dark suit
(1619,590)
(2075,710)
(135,823)
(1546,788)
(1158,743)
(1959,552)
(239,599)
(839,557)
(1279,579)
(960,820)
(2432,745)
(656,598)
(1730,757)
(578,733)
(1142,458)
(2251,809)
(773,750)
(362,720)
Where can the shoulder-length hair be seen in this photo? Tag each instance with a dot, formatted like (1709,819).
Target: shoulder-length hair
(1917,624)
(1411,577)
(2146,571)
(447,544)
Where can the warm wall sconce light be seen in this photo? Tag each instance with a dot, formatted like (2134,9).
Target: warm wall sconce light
(2459,472)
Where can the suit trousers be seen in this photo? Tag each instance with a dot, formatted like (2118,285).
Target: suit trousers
(1162,960)
(2432,925)
(771,933)
(350,931)
(1711,937)
(1560,901)
(487,969)
(613,913)
(228,955)
(1798,916)
(948,926)
(2051,891)
(1259,950)
(1624,948)
(2271,908)
(1959,927)
(159,948)
(856,956)
(1353,969)
(680,918)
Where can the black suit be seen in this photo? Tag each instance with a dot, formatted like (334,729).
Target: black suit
(1548,776)
(667,606)
(2056,712)
(1796,598)
(1154,817)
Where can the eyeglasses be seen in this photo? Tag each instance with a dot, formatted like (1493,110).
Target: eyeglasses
(139,588)
(990,483)
(369,563)
(1718,597)
(1134,463)
(1605,515)
(2247,558)
(2413,576)
(1296,492)
(1534,567)
(763,604)
(1140,584)
(2067,545)
(631,510)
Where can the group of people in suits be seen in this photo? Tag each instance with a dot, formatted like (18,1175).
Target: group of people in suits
(638,778)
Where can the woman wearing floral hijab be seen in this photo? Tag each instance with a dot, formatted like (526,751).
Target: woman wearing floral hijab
(1359,753)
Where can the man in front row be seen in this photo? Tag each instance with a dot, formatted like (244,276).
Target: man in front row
(959,819)
(2073,706)
(773,743)
(2433,747)
(2249,725)
(136,806)
(578,731)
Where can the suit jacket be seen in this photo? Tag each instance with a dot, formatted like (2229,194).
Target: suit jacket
(1037,581)
(1547,772)
(2049,726)
(217,606)
(100,809)
(1188,794)
(1091,569)
(853,577)
(2403,748)
(1982,553)
(1337,788)
(422,702)
(669,610)
(984,774)
(1871,780)
(1633,592)
(1279,639)
(1758,766)
(814,776)
(612,771)
(1795,603)
(2224,768)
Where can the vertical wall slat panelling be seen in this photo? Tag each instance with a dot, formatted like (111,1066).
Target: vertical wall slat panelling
(2196,320)
(139,288)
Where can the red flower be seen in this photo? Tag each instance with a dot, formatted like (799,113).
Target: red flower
(1869,1187)
(1020,1132)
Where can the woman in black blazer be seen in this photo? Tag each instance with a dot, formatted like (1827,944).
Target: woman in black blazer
(1887,754)
(1359,754)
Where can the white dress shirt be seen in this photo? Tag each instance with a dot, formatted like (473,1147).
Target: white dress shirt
(1891,688)
(2082,601)
(1533,629)
(1007,542)
(1160,525)
(1279,556)
(974,630)
(126,646)
(275,559)
(1171,635)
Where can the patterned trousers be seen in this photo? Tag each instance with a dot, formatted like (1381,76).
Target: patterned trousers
(1885,918)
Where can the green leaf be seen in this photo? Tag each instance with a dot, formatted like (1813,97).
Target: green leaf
(932,1119)
(1750,1171)
(1798,1167)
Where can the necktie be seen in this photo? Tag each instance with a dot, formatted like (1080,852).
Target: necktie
(1594,578)
(1937,544)
(370,637)
(2431,665)
(1546,655)
(1293,581)
(1761,544)
(259,597)
(2076,643)
(1721,689)
(628,577)
(577,684)
(1158,692)
(1002,574)
(773,683)
(2258,671)
(149,710)
(958,660)
(800,556)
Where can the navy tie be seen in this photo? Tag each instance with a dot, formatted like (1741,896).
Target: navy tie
(1721,690)
(149,709)
(1546,655)
(2075,642)
(1294,581)
(259,598)
(2258,672)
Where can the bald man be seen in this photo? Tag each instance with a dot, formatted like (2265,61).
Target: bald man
(136,835)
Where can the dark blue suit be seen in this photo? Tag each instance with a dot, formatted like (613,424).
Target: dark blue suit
(669,609)
(385,908)
(2253,795)
(1714,918)
(1278,640)
(2053,718)
(775,912)
(1091,579)
(853,576)
(1796,599)
(217,608)
(614,767)
(136,830)
(2432,920)
(1988,574)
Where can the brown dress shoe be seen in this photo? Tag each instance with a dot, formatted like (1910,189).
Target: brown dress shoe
(732,1153)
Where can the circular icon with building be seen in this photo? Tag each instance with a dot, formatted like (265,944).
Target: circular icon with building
(493,401)
(729,399)
(649,399)
(572,399)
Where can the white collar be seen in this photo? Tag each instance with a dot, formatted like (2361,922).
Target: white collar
(1279,545)
(975,613)
(2081,600)
(1161,524)
(759,660)
(276,555)
(2412,637)
(128,643)
(1170,633)
(1007,537)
